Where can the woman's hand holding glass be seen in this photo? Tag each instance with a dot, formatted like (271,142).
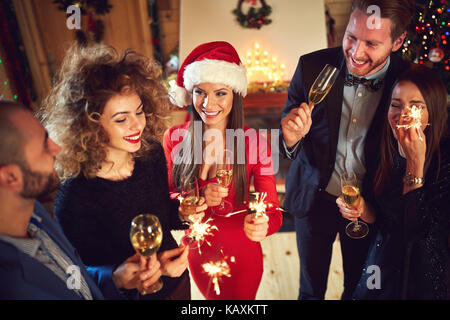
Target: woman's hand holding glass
(174,262)
(214,193)
(191,217)
(192,206)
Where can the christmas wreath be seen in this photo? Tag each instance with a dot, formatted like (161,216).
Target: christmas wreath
(96,27)
(255,18)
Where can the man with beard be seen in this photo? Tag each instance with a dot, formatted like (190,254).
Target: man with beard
(36,259)
(340,134)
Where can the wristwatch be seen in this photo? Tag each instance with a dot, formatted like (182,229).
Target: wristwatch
(410,180)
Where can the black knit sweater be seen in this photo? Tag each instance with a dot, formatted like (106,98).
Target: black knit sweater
(96,214)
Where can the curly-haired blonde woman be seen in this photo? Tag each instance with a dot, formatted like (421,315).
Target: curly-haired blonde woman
(105,111)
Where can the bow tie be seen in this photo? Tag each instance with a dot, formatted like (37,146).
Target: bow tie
(371,85)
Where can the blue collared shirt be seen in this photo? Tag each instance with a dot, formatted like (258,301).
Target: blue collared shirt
(358,109)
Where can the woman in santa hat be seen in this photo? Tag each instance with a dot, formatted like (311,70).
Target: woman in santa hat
(213,80)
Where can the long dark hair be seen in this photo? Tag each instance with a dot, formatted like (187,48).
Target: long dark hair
(186,166)
(434,92)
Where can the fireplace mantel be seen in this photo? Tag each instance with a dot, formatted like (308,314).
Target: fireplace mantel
(264,103)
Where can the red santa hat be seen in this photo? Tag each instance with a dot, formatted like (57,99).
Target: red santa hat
(215,62)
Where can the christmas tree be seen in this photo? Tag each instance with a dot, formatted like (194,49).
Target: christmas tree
(428,36)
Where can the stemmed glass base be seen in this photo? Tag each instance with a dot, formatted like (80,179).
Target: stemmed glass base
(157,286)
(223,209)
(357,229)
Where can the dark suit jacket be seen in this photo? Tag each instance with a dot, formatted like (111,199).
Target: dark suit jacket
(22,277)
(313,165)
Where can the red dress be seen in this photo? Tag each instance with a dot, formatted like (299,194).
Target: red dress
(230,239)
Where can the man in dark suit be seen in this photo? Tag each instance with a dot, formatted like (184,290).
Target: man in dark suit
(36,259)
(340,134)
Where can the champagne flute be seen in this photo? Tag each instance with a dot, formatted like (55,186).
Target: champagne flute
(224,175)
(350,193)
(322,85)
(146,238)
(190,195)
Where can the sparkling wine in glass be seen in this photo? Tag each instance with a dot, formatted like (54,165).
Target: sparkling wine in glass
(322,85)
(224,176)
(146,237)
(190,195)
(350,193)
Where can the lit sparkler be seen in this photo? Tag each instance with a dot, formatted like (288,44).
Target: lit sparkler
(258,205)
(217,270)
(413,117)
(199,230)
(235,212)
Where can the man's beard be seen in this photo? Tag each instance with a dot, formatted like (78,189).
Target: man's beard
(37,184)
(369,69)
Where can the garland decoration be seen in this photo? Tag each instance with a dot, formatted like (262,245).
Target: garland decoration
(18,81)
(255,18)
(100,7)
(96,27)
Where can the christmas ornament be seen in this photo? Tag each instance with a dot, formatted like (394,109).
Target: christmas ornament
(427,37)
(435,55)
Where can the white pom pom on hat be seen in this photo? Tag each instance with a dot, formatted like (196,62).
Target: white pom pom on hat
(215,62)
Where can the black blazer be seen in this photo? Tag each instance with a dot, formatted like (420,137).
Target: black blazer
(313,165)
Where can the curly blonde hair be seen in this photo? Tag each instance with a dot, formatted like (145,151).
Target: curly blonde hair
(87,79)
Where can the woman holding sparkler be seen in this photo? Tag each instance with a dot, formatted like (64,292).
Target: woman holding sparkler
(105,113)
(213,80)
(412,188)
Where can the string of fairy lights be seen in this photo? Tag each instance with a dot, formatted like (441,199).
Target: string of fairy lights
(6,88)
(427,39)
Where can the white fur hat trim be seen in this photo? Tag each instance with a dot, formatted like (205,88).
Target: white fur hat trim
(216,71)
(179,96)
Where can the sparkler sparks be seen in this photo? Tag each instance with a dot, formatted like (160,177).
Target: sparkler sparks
(235,212)
(199,231)
(258,205)
(413,119)
(217,270)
